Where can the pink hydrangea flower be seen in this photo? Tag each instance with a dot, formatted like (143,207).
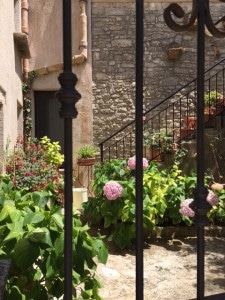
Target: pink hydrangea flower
(112,190)
(132,163)
(185,210)
(212,198)
(145,162)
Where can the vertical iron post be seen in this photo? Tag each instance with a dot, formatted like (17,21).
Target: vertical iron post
(139,149)
(68,96)
(201,12)
(200,192)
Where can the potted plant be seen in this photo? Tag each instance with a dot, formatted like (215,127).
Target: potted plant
(168,144)
(153,144)
(211,101)
(86,155)
(211,98)
(174,51)
(188,127)
(189,122)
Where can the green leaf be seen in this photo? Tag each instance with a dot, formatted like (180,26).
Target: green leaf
(16,229)
(58,220)
(49,267)
(101,250)
(47,238)
(33,218)
(40,235)
(2,230)
(38,291)
(59,245)
(5,212)
(58,288)
(13,235)
(2,252)
(2,198)
(9,203)
(40,198)
(25,253)
(15,215)
(16,225)
(15,293)
(36,235)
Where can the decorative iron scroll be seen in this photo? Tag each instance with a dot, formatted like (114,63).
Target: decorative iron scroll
(176,10)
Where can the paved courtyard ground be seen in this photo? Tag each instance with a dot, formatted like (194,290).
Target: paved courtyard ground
(169,270)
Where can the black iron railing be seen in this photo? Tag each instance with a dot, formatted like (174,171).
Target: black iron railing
(174,116)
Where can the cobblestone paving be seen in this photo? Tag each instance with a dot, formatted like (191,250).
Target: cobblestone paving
(169,270)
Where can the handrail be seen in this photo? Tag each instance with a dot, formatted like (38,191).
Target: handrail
(131,124)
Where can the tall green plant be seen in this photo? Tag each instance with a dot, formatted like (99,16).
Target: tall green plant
(32,235)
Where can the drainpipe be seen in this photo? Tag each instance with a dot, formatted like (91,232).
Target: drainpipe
(24,28)
(82,57)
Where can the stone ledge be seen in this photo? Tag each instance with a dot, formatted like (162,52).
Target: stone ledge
(171,232)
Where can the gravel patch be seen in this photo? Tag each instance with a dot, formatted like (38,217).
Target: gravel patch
(169,270)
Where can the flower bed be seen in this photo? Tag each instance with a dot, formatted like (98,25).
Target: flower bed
(165,197)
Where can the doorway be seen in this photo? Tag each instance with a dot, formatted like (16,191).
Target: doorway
(47,120)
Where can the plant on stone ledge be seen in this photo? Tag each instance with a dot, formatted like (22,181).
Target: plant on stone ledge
(114,200)
(164,193)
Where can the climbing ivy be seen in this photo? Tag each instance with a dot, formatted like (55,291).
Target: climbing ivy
(26,88)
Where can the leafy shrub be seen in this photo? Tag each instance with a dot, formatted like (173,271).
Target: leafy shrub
(163,193)
(52,151)
(36,167)
(32,236)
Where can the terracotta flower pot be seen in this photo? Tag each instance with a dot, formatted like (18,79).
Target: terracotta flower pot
(156,154)
(187,134)
(189,122)
(89,161)
(173,53)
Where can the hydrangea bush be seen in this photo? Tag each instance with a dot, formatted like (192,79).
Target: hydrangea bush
(164,194)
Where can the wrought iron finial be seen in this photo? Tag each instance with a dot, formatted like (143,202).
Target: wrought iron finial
(175,10)
(179,13)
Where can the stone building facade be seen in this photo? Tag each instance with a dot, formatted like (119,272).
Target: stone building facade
(103,48)
(113,59)
(14,52)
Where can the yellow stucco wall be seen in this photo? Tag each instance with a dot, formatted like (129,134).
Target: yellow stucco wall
(10,76)
(45,38)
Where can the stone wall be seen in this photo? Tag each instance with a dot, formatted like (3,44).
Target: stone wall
(113,59)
